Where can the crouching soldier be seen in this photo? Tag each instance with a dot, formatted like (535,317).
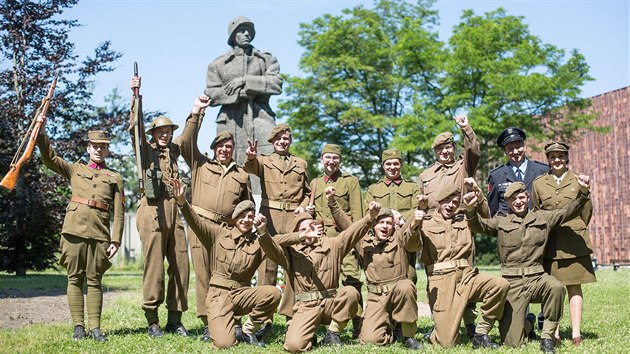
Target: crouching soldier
(313,265)
(521,239)
(235,254)
(453,282)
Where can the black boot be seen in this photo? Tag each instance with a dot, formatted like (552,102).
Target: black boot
(483,341)
(155,331)
(411,343)
(249,338)
(264,331)
(531,318)
(332,338)
(357,323)
(470,330)
(79,332)
(176,328)
(397,333)
(97,335)
(206,334)
(547,346)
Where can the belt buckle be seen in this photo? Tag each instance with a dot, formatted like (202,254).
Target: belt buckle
(216,217)
(285,206)
(91,203)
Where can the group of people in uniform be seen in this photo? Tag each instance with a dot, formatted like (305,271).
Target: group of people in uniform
(326,231)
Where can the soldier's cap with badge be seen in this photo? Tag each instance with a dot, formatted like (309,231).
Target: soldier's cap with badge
(448,191)
(238,21)
(391,154)
(443,138)
(280,128)
(557,146)
(243,206)
(509,135)
(332,149)
(299,218)
(98,136)
(514,188)
(222,135)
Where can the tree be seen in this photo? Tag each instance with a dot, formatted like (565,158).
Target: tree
(34,47)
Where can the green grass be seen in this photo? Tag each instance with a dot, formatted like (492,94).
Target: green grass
(605,328)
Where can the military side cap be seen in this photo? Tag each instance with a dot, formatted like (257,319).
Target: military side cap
(391,154)
(509,135)
(299,218)
(448,191)
(222,135)
(238,21)
(514,188)
(384,212)
(283,127)
(443,138)
(556,146)
(245,205)
(332,148)
(98,136)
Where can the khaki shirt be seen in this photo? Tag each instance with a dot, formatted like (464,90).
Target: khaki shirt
(387,261)
(399,197)
(521,241)
(446,239)
(571,238)
(347,196)
(315,267)
(214,188)
(439,176)
(281,181)
(103,185)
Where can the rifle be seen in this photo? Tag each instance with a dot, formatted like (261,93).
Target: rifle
(26,147)
(137,123)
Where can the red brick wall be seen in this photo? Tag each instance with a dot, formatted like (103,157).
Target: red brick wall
(606,158)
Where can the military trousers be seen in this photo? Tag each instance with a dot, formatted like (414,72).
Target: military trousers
(538,288)
(85,261)
(223,304)
(162,235)
(399,304)
(449,295)
(200,254)
(308,315)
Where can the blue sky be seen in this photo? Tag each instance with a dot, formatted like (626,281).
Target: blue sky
(173,41)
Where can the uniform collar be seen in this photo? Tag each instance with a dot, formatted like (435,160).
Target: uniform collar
(332,177)
(396,181)
(96,166)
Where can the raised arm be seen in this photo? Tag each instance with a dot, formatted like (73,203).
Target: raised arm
(50,158)
(410,232)
(348,238)
(472,152)
(342,220)
(189,138)
(475,222)
(272,249)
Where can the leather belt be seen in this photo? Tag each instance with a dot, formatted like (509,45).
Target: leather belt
(276,204)
(316,295)
(381,288)
(448,265)
(222,282)
(522,271)
(92,203)
(216,217)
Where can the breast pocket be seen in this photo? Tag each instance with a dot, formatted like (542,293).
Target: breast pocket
(537,233)
(211,179)
(343,198)
(509,236)
(237,184)
(404,199)
(225,252)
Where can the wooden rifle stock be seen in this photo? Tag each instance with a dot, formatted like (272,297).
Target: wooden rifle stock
(138,133)
(27,147)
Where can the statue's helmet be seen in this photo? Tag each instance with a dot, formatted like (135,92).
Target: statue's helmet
(238,21)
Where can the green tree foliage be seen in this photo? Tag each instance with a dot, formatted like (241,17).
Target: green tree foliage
(34,46)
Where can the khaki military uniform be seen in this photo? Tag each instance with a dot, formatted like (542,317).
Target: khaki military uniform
(453,282)
(313,271)
(284,188)
(399,195)
(162,235)
(521,244)
(215,193)
(97,197)
(235,257)
(567,256)
(391,295)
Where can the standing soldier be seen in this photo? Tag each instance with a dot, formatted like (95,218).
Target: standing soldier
(452,280)
(285,189)
(313,265)
(218,185)
(521,239)
(348,197)
(161,229)
(235,255)
(86,244)
(518,169)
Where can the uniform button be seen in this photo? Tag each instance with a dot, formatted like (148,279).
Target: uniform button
(92,195)
(557,192)
(557,203)
(94,185)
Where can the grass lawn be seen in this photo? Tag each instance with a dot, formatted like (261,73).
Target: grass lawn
(605,329)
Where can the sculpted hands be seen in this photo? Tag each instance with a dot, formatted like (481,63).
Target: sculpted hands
(373,209)
(234,86)
(201,103)
(252,149)
(461,120)
(585,183)
(260,222)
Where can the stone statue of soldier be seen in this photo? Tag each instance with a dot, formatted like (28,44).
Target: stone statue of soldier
(241,82)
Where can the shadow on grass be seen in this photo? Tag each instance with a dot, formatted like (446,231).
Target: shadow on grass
(194,332)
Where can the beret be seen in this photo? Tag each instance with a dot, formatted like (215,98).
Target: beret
(448,191)
(283,127)
(509,135)
(222,135)
(331,148)
(384,212)
(299,218)
(391,154)
(244,205)
(443,138)
(514,188)
(98,136)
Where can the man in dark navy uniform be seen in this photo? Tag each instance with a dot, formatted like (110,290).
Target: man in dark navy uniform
(518,169)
